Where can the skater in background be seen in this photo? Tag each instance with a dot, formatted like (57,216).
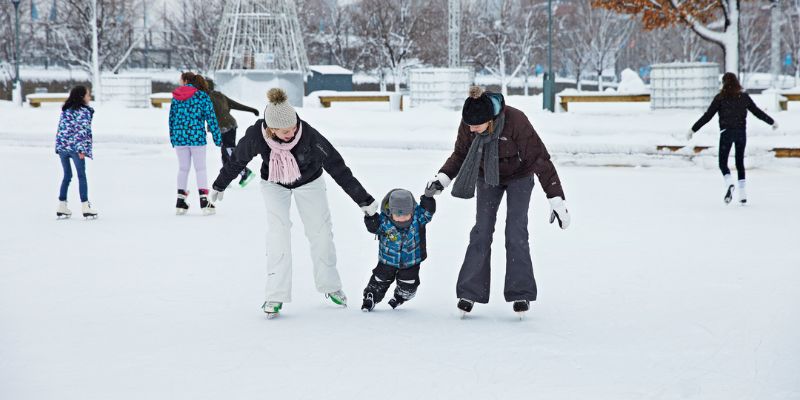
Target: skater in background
(189,115)
(294,157)
(498,151)
(74,142)
(400,228)
(732,104)
(227,126)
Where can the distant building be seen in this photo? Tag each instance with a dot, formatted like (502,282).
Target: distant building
(329,77)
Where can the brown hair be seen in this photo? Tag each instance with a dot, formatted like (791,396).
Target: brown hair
(187,76)
(199,82)
(730,85)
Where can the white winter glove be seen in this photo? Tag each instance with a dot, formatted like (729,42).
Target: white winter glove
(775,126)
(371,209)
(558,211)
(437,184)
(216,195)
(689,134)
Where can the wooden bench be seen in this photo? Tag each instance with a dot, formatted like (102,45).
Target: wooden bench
(158,99)
(565,99)
(780,152)
(36,99)
(674,148)
(326,100)
(784,104)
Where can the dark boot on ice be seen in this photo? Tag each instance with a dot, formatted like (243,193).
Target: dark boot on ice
(368,304)
(206,206)
(181,206)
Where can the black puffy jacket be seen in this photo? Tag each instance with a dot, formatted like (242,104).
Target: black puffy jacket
(732,112)
(313,154)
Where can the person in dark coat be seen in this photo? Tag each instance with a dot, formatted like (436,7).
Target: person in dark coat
(227,126)
(732,105)
(294,157)
(498,152)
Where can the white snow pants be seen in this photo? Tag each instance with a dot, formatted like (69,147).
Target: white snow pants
(312,205)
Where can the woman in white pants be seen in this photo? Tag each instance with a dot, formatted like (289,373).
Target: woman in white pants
(294,156)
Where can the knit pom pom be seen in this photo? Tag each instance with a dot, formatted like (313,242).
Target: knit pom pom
(276,96)
(475,92)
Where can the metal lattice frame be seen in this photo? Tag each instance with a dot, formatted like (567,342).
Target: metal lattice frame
(260,34)
(454,33)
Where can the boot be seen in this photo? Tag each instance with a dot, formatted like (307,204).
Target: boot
(87,210)
(272,308)
(338,297)
(63,211)
(247,176)
(205,205)
(395,301)
(465,305)
(521,307)
(742,192)
(729,188)
(181,207)
(368,304)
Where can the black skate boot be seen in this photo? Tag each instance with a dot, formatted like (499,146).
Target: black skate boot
(181,207)
(729,194)
(206,206)
(394,302)
(521,307)
(368,304)
(465,305)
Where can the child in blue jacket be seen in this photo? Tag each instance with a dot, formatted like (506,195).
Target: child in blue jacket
(400,228)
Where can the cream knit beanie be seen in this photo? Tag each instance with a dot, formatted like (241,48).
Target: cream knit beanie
(279,113)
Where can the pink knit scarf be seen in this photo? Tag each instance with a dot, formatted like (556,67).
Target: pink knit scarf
(283,167)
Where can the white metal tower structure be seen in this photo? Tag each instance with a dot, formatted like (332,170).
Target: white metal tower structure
(454,33)
(260,34)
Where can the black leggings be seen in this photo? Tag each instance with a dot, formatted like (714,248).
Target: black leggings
(228,144)
(383,276)
(727,139)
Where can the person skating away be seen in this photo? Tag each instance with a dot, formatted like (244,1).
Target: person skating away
(294,157)
(74,142)
(732,104)
(400,229)
(498,151)
(190,114)
(227,126)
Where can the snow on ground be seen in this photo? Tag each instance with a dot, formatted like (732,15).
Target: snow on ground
(657,290)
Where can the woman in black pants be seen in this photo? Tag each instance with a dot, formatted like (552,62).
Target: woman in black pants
(496,154)
(732,104)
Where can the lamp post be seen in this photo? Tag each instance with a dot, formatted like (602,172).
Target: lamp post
(17,93)
(549,84)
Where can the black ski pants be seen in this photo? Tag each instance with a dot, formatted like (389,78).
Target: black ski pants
(474,277)
(382,277)
(228,144)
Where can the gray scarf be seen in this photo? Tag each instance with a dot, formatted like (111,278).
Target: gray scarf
(467,178)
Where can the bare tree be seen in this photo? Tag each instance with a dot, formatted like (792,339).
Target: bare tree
(391,28)
(505,36)
(609,32)
(194,30)
(752,40)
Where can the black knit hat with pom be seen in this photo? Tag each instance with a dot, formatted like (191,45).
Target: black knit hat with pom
(478,107)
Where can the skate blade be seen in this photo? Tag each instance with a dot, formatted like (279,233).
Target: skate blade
(271,315)
(729,195)
(463,314)
(63,216)
(181,211)
(89,216)
(209,211)
(521,315)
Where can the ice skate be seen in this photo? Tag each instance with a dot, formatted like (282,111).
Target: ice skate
(272,308)
(465,305)
(246,178)
(63,212)
(742,193)
(181,207)
(338,297)
(206,206)
(394,302)
(368,304)
(88,212)
(521,307)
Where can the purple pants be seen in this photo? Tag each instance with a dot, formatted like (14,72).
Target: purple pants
(187,154)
